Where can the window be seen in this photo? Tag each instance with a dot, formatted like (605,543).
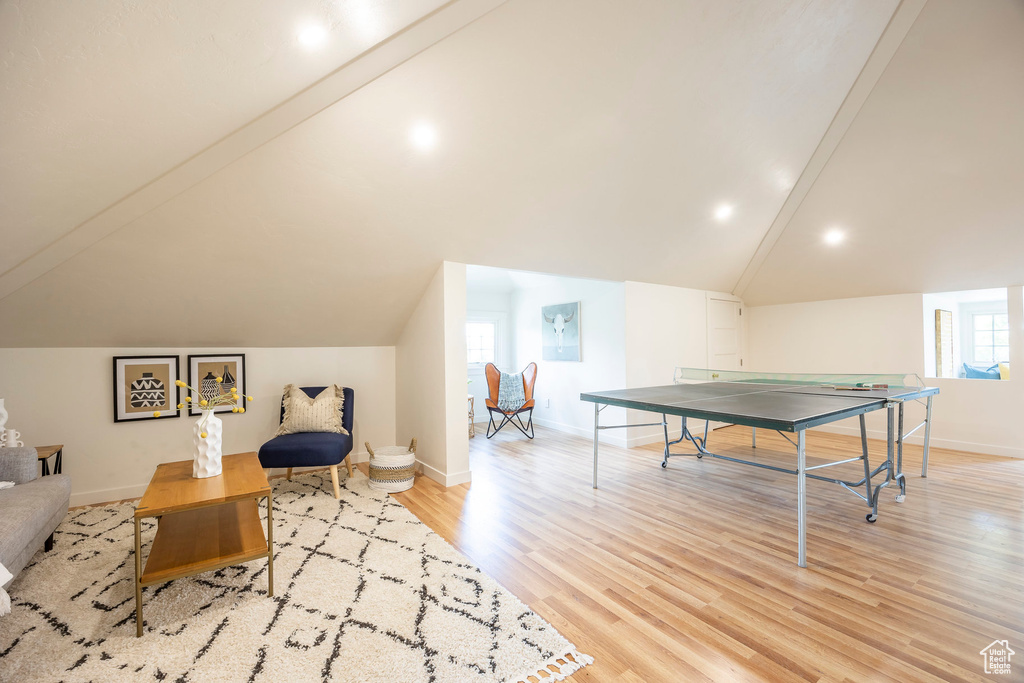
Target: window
(991,337)
(481,340)
(967,333)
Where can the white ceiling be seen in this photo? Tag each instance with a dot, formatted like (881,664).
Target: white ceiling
(102,97)
(485,279)
(928,183)
(579,138)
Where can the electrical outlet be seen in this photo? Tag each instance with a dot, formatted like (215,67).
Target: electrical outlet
(547,403)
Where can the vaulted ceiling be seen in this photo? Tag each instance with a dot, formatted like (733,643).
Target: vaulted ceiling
(928,182)
(198,176)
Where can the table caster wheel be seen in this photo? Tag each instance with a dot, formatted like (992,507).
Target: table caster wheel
(900,497)
(872,517)
(664,464)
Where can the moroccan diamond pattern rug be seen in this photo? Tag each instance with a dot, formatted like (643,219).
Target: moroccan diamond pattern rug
(364,592)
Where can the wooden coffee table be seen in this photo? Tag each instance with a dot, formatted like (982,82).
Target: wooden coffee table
(203,524)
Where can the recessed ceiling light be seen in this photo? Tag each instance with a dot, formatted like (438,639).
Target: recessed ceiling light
(723,212)
(784,181)
(834,236)
(313,36)
(423,136)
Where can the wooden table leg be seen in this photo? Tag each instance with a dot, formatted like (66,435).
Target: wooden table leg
(270,544)
(138,579)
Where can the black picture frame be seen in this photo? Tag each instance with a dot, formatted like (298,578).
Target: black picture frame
(196,360)
(135,398)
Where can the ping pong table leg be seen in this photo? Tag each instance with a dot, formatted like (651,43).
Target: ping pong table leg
(597,421)
(927,435)
(890,464)
(901,479)
(753,437)
(867,462)
(801,499)
(664,426)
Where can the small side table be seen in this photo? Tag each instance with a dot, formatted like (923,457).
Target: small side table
(472,416)
(46,452)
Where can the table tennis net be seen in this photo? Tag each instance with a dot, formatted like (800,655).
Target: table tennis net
(690,375)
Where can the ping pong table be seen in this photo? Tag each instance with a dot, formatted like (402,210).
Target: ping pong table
(786,403)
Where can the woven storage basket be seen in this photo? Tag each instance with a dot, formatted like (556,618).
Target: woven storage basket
(392,468)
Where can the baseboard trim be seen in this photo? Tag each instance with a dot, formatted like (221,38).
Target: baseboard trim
(915,439)
(952,444)
(103,496)
(442,478)
(587,433)
(655,437)
(609,438)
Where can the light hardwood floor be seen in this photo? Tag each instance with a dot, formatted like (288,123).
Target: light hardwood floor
(689,573)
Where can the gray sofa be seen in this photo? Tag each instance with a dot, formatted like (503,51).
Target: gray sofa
(31,509)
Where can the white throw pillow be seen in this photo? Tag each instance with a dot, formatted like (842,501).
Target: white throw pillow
(305,414)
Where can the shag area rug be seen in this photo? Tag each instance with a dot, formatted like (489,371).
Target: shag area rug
(364,592)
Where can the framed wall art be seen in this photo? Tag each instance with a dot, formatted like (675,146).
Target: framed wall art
(144,385)
(203,371)
(560,332)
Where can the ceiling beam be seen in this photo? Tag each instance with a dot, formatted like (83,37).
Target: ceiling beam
(345,80)
(889,42)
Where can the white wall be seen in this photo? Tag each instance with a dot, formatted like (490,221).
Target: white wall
(603,352)
(430,364)
(64,396)
(457,437)
(666,327)
(884,335)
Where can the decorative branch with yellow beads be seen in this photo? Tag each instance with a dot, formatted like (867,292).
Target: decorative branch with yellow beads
(208,405)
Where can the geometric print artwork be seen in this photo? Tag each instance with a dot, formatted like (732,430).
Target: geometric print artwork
(364,592)
(209,388)
(148,392)
(228,381)
(143,387)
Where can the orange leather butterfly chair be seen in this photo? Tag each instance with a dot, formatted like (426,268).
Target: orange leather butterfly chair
(493,379)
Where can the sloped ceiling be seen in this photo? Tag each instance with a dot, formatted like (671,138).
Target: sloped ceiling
(101,97)
(579,138)
(928,183)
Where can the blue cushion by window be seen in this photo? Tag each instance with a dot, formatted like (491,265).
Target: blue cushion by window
(979,372)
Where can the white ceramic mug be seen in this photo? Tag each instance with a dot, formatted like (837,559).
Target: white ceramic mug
(11,438)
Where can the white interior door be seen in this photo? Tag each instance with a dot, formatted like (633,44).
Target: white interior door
(724,338)
(724,335)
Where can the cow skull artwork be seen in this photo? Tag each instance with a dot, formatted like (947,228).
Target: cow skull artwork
(561,332)
(559,322)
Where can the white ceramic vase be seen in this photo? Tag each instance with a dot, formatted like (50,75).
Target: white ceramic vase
(206,461)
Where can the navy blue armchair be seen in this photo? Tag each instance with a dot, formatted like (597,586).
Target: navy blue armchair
(313,449)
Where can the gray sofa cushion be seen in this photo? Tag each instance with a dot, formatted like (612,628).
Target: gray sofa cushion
(19,465)
(28,515)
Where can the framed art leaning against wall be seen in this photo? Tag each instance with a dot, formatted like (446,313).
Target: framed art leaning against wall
(203,371)
(144,385)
